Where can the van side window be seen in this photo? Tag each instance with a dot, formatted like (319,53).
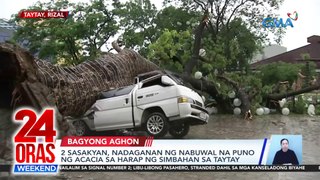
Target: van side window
(153,82)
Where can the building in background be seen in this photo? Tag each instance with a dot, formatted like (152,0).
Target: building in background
(269,51)
(6,30)
(295,55)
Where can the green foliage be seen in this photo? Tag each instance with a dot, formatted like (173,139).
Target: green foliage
(137,22)
(280,71)
(215,53)
(251,84)
(91,25)
(240,44)
(179,19)
(224,88)
(300,106)
(289,104)
(267,89)
(317,111)
(305,56)
(309,70)
(171,50)
(71,40)
(234,30)
(229,42)
(143,24)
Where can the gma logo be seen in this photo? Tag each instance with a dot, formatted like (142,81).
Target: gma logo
(270,22)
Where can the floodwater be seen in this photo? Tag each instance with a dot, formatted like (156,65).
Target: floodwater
(232,127)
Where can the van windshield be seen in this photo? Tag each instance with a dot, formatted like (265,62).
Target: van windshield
(176,79)
(182,82)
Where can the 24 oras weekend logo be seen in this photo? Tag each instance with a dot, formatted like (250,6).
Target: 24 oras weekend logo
(34,142)
(270,22)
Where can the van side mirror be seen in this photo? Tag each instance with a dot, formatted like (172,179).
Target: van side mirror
(136,80)
(166,81)
(140,85)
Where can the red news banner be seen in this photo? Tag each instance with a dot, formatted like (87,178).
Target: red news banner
(43,14)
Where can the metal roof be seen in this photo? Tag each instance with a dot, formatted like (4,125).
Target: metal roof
(294,56)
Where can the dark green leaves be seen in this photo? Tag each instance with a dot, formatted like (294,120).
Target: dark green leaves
(72,40)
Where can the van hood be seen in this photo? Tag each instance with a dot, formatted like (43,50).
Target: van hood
(187,92)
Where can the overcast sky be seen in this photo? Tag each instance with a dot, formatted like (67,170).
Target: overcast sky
(306,25)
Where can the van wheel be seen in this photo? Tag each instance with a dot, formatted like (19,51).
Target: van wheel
(156,124)
(179,130)
(81,128)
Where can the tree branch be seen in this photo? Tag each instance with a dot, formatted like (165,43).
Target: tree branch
(196,47)
(233,83)
(202,59)
(223,11)
(217,21)
(293,93)
(72,50)
(104,41)
(201,4)
(116,46)
(234,10)
(100,29)
(245,99)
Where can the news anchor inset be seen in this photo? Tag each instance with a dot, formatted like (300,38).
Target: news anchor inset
(285,156)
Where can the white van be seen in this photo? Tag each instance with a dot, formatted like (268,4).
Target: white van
(157,104)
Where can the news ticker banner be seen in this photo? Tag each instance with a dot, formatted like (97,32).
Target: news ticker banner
(176,168)
(36,150)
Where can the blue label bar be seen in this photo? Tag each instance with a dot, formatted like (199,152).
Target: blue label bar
(35,168)
(262,151)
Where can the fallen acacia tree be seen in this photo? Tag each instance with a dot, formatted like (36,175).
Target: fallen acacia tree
(27,81)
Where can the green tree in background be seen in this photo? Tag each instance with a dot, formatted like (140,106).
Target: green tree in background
(229,31)
(143,24)
(309,69)
(229,39)
(71,40)
(276,72)
(233,32)
(137,22)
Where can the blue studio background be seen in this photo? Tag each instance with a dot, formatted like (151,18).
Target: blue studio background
(295,144)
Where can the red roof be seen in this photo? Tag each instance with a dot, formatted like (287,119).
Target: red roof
(294,56)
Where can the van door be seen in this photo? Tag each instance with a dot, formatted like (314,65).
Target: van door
(113,113)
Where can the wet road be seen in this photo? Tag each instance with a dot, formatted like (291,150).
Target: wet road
(229,127)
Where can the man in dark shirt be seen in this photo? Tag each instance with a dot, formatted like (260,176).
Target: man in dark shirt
(285,156)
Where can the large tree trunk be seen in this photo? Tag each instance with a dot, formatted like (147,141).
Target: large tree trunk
(208,86)
(203,85)
(293,93)
(196,46)
(26,81)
